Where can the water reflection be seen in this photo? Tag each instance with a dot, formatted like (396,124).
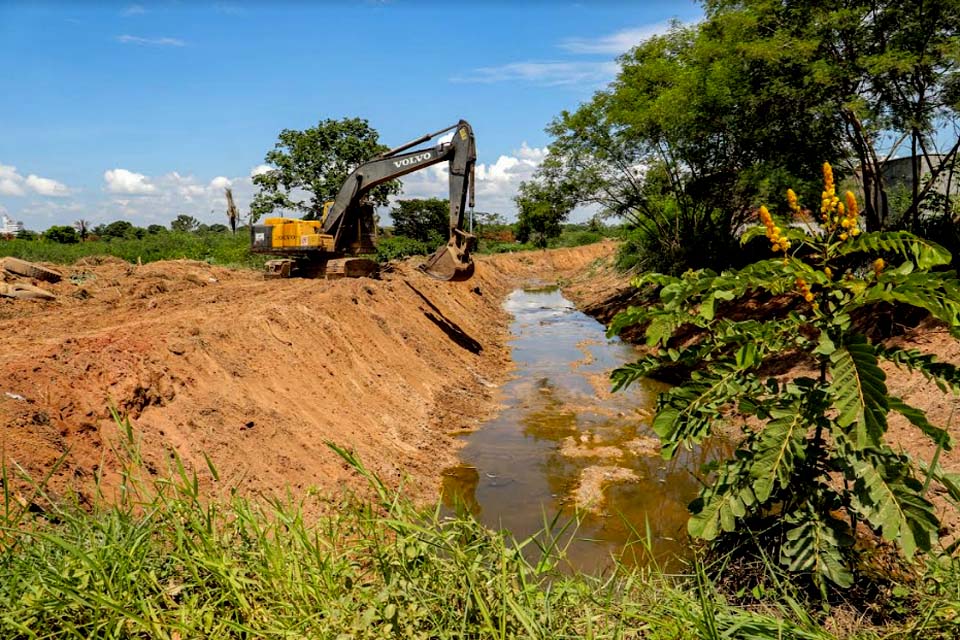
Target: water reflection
(561,438)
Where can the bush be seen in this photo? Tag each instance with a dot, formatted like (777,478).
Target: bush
(397,247)
(698,244)
(62,234)
(215,248)
(812,469)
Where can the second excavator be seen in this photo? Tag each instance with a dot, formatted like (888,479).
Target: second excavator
(328,247)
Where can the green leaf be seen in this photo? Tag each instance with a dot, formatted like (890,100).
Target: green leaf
(924,253)
(944,374)
(816,544)
(937,293)
(778,449)
(720,506)
(919,419)
(859,392)
(891,501)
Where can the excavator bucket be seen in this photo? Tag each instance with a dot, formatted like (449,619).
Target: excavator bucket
(452,261)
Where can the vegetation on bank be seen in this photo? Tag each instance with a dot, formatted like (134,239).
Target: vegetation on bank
(813,481)
(707,121)
(225,249)
(220,248)
(170,561)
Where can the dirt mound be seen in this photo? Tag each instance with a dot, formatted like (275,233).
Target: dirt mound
(257,374)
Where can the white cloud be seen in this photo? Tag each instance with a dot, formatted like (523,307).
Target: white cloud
(47,186)
(127,182)
(11,183)
(219,183)
(14,184)
(497,182)
(544,73)
(571,72)
(615,43)
(260,169)
(134,10)
(155,42)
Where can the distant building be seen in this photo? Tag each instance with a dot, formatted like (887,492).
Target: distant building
(11,226)
(898,173)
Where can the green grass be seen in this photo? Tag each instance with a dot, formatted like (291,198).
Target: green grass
(216,248)
(166,561)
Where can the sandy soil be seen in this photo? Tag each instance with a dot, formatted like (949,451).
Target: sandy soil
(257,374)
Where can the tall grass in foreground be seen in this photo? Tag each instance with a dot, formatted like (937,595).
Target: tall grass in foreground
(167,562)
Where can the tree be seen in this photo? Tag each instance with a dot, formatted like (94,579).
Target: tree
(884,73)
(704,122)
(426,220)
(26,234)
(83,229)
(184,223)
(217,228)
(813,468)
(155,229)
(681,145)
(64,234)
(308,167)
(541,213)
(119,229)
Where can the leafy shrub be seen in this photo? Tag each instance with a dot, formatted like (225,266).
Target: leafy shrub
(579,238)
(812,465)
(215,248)
(62,234)
(698,243)
(397,247)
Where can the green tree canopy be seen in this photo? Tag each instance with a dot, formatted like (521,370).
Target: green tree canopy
(118,229)
(308,167)
(541,212)
(64,234)
(883,74)
(426,220)
(184,223)
(704,122)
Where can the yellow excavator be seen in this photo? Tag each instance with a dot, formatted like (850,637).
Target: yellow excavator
(328,247)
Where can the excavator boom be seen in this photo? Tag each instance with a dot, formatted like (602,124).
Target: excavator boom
(347,226)
(452,261)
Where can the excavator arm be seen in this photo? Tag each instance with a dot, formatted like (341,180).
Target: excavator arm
(345,218)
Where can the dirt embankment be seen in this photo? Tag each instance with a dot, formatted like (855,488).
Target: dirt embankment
(257,374)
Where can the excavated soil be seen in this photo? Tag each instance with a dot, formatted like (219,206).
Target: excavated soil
(257,374)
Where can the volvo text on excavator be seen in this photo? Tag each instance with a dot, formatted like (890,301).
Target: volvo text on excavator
(325,247)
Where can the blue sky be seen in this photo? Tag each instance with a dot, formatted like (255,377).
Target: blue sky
(145,110)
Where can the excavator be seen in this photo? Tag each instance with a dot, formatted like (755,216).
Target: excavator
(328,247)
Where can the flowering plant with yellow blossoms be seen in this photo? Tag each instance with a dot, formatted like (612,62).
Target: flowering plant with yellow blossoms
(811,468)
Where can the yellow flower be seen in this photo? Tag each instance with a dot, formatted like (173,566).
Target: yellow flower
(808,297)
(828,272)
(852,204)
(878,265)
(843,236)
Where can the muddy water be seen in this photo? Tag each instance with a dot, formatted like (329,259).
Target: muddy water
(563,445)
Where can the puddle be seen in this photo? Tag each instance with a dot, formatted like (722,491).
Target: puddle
(564,445)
